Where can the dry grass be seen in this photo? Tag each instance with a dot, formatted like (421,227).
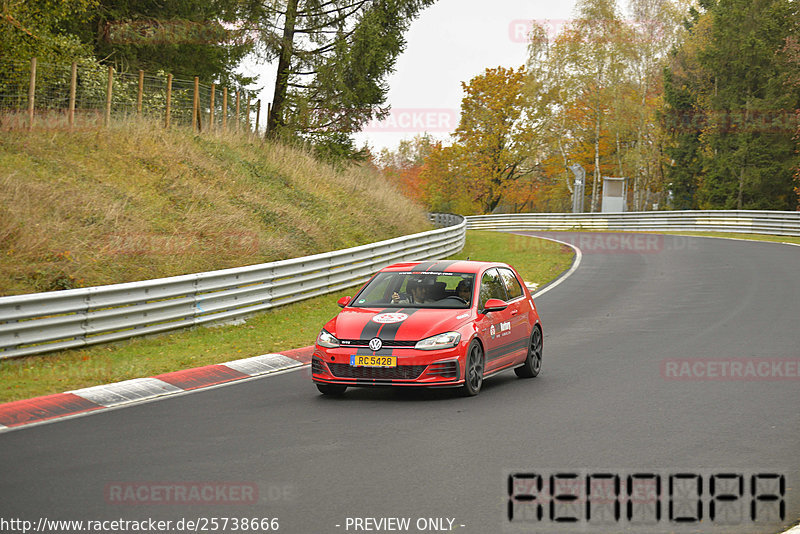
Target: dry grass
(100,206)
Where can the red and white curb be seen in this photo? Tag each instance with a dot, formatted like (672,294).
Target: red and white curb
(80,401)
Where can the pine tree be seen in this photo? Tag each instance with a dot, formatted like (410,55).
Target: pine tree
(333,58)
(734,77)
(187,38)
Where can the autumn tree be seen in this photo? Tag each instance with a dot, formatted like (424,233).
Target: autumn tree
(495,134)
(548,91)
(404,166)
(595,62)
(648,37)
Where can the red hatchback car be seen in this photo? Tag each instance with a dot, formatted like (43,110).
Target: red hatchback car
(436,323)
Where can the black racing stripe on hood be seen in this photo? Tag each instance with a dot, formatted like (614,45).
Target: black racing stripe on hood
(442,266)
(389,331)
(370,329)
(386,332)
(424,266)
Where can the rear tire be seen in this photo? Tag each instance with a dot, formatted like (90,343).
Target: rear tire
(331,389)
(473,370)
(533,363)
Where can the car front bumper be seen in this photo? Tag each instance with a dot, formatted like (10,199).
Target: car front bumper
(441,368)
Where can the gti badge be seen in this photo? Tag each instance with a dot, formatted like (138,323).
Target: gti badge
(375,344)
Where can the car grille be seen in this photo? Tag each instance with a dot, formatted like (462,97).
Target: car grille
(444,369)
(317,367)
(386,343)
(401,372)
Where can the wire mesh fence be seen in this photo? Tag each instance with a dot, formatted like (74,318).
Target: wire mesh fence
(86,94)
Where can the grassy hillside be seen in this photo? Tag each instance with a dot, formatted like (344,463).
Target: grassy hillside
(136,202)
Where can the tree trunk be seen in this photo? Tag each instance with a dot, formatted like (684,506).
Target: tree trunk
(567,174)
(743,137)
(596,161)
(284,65)
(619,167)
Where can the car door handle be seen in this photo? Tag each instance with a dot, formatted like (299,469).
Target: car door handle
(514,312)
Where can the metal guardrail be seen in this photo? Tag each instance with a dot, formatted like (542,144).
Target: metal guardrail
(43,322)
(745,222)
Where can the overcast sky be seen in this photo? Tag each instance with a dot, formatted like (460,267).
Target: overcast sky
(450,42)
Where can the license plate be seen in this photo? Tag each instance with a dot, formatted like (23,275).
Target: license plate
(373,361)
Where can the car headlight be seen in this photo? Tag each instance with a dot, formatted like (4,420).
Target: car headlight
(325,339)
(442,341)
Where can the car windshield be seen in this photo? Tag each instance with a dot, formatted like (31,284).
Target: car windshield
(408,289)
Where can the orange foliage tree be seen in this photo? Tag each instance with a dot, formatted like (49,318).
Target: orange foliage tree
(494,137)
(404,166)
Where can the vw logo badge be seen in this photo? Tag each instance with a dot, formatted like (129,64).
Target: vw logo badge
(375,344)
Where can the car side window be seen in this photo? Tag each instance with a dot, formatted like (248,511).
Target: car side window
(491,288)
(513,287)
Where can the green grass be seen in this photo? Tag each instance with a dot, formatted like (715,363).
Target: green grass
(537,260)
(292,326)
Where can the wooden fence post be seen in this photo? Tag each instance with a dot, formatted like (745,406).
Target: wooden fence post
(169,100)
(73,85)
(211,109)
(269,112)
(258,114)
(224,109)
(109,89)
(237,111)
(247,115)
(195,103)
(139,93)
(31,93)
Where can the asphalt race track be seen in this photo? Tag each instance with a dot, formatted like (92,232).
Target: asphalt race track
(636,342)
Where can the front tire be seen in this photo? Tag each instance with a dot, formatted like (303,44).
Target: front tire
(331,389)
(473,370)
(533,363)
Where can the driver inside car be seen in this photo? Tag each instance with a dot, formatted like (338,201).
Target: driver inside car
(419,292)
(464,290)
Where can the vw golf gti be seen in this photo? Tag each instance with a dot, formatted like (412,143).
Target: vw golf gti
(436,323)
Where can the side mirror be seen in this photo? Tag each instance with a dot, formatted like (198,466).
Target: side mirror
(494,305)
(344,301)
